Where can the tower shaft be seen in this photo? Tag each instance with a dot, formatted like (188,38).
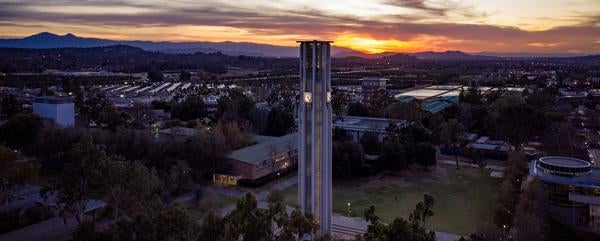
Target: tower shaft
(314,175)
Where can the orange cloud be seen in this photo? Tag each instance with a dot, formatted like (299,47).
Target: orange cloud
(374,46)
(543,45)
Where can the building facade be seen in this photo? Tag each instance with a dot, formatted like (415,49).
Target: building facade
(573,191)
(315,133)
(370,87)
(255,164)
(61,110)
(355,127)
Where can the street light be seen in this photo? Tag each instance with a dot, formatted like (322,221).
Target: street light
(349,209)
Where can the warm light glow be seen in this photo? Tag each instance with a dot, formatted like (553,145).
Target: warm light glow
(369,26)
(374,46)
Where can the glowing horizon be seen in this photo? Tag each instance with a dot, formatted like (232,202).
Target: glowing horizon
(368,26)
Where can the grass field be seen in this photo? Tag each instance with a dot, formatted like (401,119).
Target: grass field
(463,198)
(210,201)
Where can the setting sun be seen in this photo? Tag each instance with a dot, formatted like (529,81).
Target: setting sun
(374,46)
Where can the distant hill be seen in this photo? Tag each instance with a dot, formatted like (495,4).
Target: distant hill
(352,53)
(450,55)
(528,55)
(122,58)
(429,55)
(47,40)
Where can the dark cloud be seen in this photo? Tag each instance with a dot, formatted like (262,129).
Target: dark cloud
(312,22)
(417,4)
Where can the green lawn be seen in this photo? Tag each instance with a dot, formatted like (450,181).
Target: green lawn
(210,201)
(463,198)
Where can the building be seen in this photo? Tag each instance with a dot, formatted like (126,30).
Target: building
(258,163)
(314,127)
(357,126)
(493,149)
(61,110)
(177,133)
(370,87)
(573,187)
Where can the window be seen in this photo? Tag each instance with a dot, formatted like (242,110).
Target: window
(307,97)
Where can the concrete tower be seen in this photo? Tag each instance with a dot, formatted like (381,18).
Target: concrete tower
(314,127)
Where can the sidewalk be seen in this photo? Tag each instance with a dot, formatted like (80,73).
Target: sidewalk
(466,164)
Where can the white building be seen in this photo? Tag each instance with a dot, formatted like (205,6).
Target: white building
(61,110)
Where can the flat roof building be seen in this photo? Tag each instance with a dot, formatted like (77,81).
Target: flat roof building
(357,126)
(59,109)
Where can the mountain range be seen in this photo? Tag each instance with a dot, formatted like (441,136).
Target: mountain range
(47,40)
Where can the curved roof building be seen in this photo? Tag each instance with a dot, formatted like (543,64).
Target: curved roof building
(573,190)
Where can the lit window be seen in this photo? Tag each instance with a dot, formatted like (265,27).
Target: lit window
(307,97)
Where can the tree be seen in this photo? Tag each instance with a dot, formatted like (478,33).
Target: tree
(127,183)
(405,111)
(301,223)
(236,106)
(472,95)
(111,118)
(451,133)
(236,135)
(21,130)
(13,172)
(531,222)
(339,101)
(425,155)
(280,122)
(517,123)
(393,154)
(153,220)
(161,105)
(370,142)
(82,178)
(476,156)
(184,75)
(357,109)
(422,211)
(510,189)
(248,221)
(283,94)
(400,229)
(178,178)
(561,140)
(140,114)
(155,75)
(379,103)
(9,105)
(348,158)
(213,227)
(541,99)
(190,109)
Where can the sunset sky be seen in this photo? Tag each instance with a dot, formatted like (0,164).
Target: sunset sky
(537,26)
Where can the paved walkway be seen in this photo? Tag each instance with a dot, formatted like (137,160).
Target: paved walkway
(467,164)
